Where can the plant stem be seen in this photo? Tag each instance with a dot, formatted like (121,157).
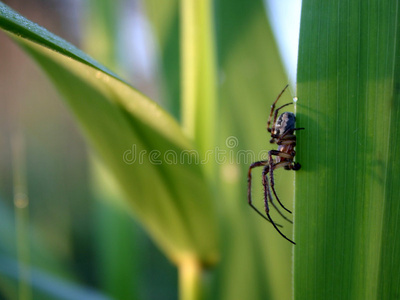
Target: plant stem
(21,203)
(190,279)
(198,73)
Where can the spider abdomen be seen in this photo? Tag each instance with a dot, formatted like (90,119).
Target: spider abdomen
(285,122)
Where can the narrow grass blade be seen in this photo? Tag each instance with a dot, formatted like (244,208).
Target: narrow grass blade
(21,208)
(165,21)
(347,195)
(198,73)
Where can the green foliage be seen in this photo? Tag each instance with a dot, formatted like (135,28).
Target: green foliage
(176,203)
(347,191)
(121,123)
(347,195)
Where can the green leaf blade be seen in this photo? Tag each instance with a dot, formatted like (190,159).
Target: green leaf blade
(346,89)
(173,201)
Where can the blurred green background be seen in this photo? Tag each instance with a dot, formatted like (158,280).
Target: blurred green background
(78,237)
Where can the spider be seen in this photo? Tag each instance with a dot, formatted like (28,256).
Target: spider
(282,134)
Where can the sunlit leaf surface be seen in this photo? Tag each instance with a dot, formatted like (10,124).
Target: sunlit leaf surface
(347,196)
(133,136)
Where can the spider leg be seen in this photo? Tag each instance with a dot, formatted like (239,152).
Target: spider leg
(267,194)
(275,166)
(254,165)
(273,108)
(292,166)
(267,169)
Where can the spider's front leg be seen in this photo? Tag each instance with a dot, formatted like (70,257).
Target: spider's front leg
(276,112)
(267,195)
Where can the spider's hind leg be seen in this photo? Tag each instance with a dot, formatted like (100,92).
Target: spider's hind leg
(274,166)
(252,166)
(267,195)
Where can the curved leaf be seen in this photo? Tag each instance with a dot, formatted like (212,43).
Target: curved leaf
(136,139)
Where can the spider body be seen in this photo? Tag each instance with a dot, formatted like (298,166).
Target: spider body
(285,123)
(282,134)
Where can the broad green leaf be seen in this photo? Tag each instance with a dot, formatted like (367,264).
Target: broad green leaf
(132,135)
(347,195)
